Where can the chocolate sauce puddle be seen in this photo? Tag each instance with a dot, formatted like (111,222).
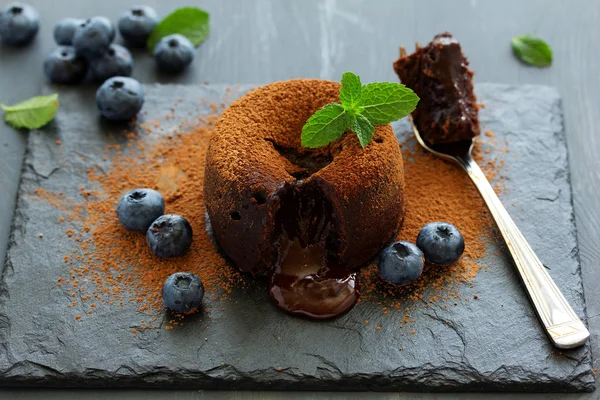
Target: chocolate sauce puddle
(305,284)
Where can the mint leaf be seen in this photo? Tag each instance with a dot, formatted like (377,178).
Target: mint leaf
(191,22)
(33,113)
(324,126)
(362,108)
(363,129)
(532,50)
(385,102)
(350,92)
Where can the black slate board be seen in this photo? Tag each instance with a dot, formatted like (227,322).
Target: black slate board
(493,344)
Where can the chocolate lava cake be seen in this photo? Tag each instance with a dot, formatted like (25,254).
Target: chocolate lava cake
(438,73)
(264,191)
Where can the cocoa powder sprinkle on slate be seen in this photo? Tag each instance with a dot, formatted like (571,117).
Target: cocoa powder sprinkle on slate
(116,265)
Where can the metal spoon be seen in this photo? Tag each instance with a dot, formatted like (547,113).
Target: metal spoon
(563,326)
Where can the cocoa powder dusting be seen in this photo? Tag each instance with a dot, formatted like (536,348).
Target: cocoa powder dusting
(436,190)
(118,263)
(112,266)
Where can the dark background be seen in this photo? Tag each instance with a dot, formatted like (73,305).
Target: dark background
(269,40)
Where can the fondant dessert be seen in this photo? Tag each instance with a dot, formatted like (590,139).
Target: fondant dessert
(439,74)
(310,217)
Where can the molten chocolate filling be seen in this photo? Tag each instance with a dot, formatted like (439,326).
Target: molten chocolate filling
(308,281)
(306,284)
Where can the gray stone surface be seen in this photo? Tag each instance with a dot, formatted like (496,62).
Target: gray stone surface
(493,344)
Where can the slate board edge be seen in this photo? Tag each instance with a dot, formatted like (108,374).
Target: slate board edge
(36,375)
(573,219)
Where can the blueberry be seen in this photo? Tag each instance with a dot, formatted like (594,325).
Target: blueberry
(169,236)
(93,37)
(136,24)
(138,208)
(65,30)
(401,263)
(116,61)
(183,292)
(103,21)
(120,98)
(441,243)
(19,23)
(173,53)
(63,65)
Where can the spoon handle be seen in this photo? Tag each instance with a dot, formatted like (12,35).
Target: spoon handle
(563,326)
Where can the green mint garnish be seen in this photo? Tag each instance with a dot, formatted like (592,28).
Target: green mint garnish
(363,129)
(385,102)
(326,125)
(350,93)
(33,113)
(532,50)
(361,108)
(191,22)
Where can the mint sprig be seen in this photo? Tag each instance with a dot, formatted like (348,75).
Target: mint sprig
(362,108)
(385,102)
(532,50)
(191,22)
(363,128)
(351,91)
(324,126)
(32,113)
